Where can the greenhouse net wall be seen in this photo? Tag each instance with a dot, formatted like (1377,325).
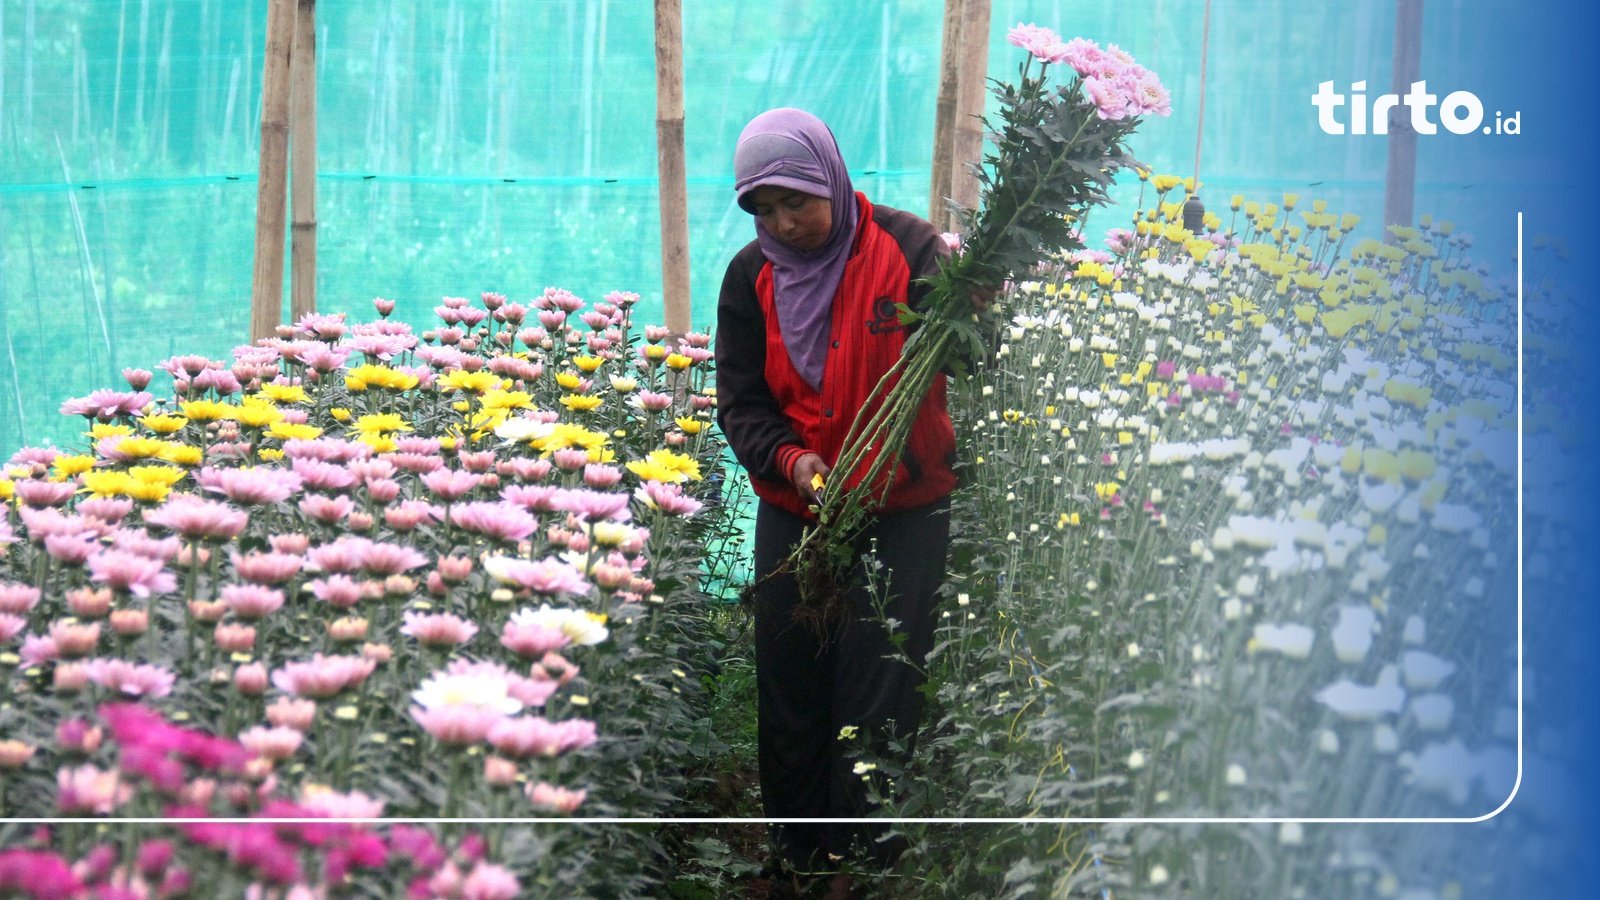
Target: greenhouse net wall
(507,145)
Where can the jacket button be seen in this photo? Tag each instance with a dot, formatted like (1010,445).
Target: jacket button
(828,413)
(835,345)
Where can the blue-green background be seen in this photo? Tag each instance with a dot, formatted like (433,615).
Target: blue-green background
(470,145)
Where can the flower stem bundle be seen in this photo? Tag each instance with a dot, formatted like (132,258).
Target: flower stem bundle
(1056,150)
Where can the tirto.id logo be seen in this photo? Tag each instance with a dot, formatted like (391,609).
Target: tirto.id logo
(1461,112)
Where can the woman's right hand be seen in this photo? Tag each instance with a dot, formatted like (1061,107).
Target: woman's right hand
(808,467)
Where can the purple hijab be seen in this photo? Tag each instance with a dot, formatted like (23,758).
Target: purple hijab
(791,148)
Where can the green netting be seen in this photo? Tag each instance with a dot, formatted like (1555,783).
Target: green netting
(469,145)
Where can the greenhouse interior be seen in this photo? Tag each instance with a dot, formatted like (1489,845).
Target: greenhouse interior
(377,524)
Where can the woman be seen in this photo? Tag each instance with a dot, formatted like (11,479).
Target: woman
(806,325)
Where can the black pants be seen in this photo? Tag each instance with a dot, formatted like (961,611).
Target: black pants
(810,686)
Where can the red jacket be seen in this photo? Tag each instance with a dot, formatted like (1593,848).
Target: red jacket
(771,416)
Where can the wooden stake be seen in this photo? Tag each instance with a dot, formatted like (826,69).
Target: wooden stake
(674,188)
(944,118)
(266,293)
(1400,176)
(303,184)
(970,91)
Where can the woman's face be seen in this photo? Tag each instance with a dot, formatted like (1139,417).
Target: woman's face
(800,220)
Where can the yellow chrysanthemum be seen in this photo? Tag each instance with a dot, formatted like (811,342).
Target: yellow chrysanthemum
(484,422)
(340,414)
(588,364)
(99,431)
(580,402)
(380,423)
(181,454)
(1415,465)
(258,414)
(270,454)
(148,491)
(163,424)
(475,382)
(1164,183)
(285,393)
(206,410)
(679,361)
(564,434)
(690,425)
(506,400)
(8,488)
(1106,490)
(569,381)
(139,447)
(372,376)
(666,465)
(293,431)
(67,466)
(166,475)
(378,441)
(108,483)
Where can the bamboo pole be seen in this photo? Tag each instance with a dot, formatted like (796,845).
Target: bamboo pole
(944,115)
(970,90)
(266,294)
(674,189)
(1400,175)
(303,184)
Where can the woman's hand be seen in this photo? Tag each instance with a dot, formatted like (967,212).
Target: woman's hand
(983,298)
(807,475)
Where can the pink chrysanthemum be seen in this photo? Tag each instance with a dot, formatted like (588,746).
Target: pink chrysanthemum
(11,626)
(196,518)
(266,568)
(502,521)
(325,509)
(135,680)
(87,789)
(437,629)
(378,558)
(592,506)
(320,475)
(250,486)
(550,576)
(532,639)
(139,575)
(106,405)
(33,492)
(252,601)
(276,743)
(450,484)
(488,881)
(555,799)
(669,498)
(527,736)
(322,676)
(18,599)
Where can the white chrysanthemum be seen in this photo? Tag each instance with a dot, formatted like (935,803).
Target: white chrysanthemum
(520,429)
(1433,712)
(1352,636)
(1258,532)
(481,689)
(1453,518)
(580,627)
(1424,671)
(1293,641)
(1444,769)
(1361,702)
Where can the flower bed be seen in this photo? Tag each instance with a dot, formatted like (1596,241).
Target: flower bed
(363,572)
(1237,540)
